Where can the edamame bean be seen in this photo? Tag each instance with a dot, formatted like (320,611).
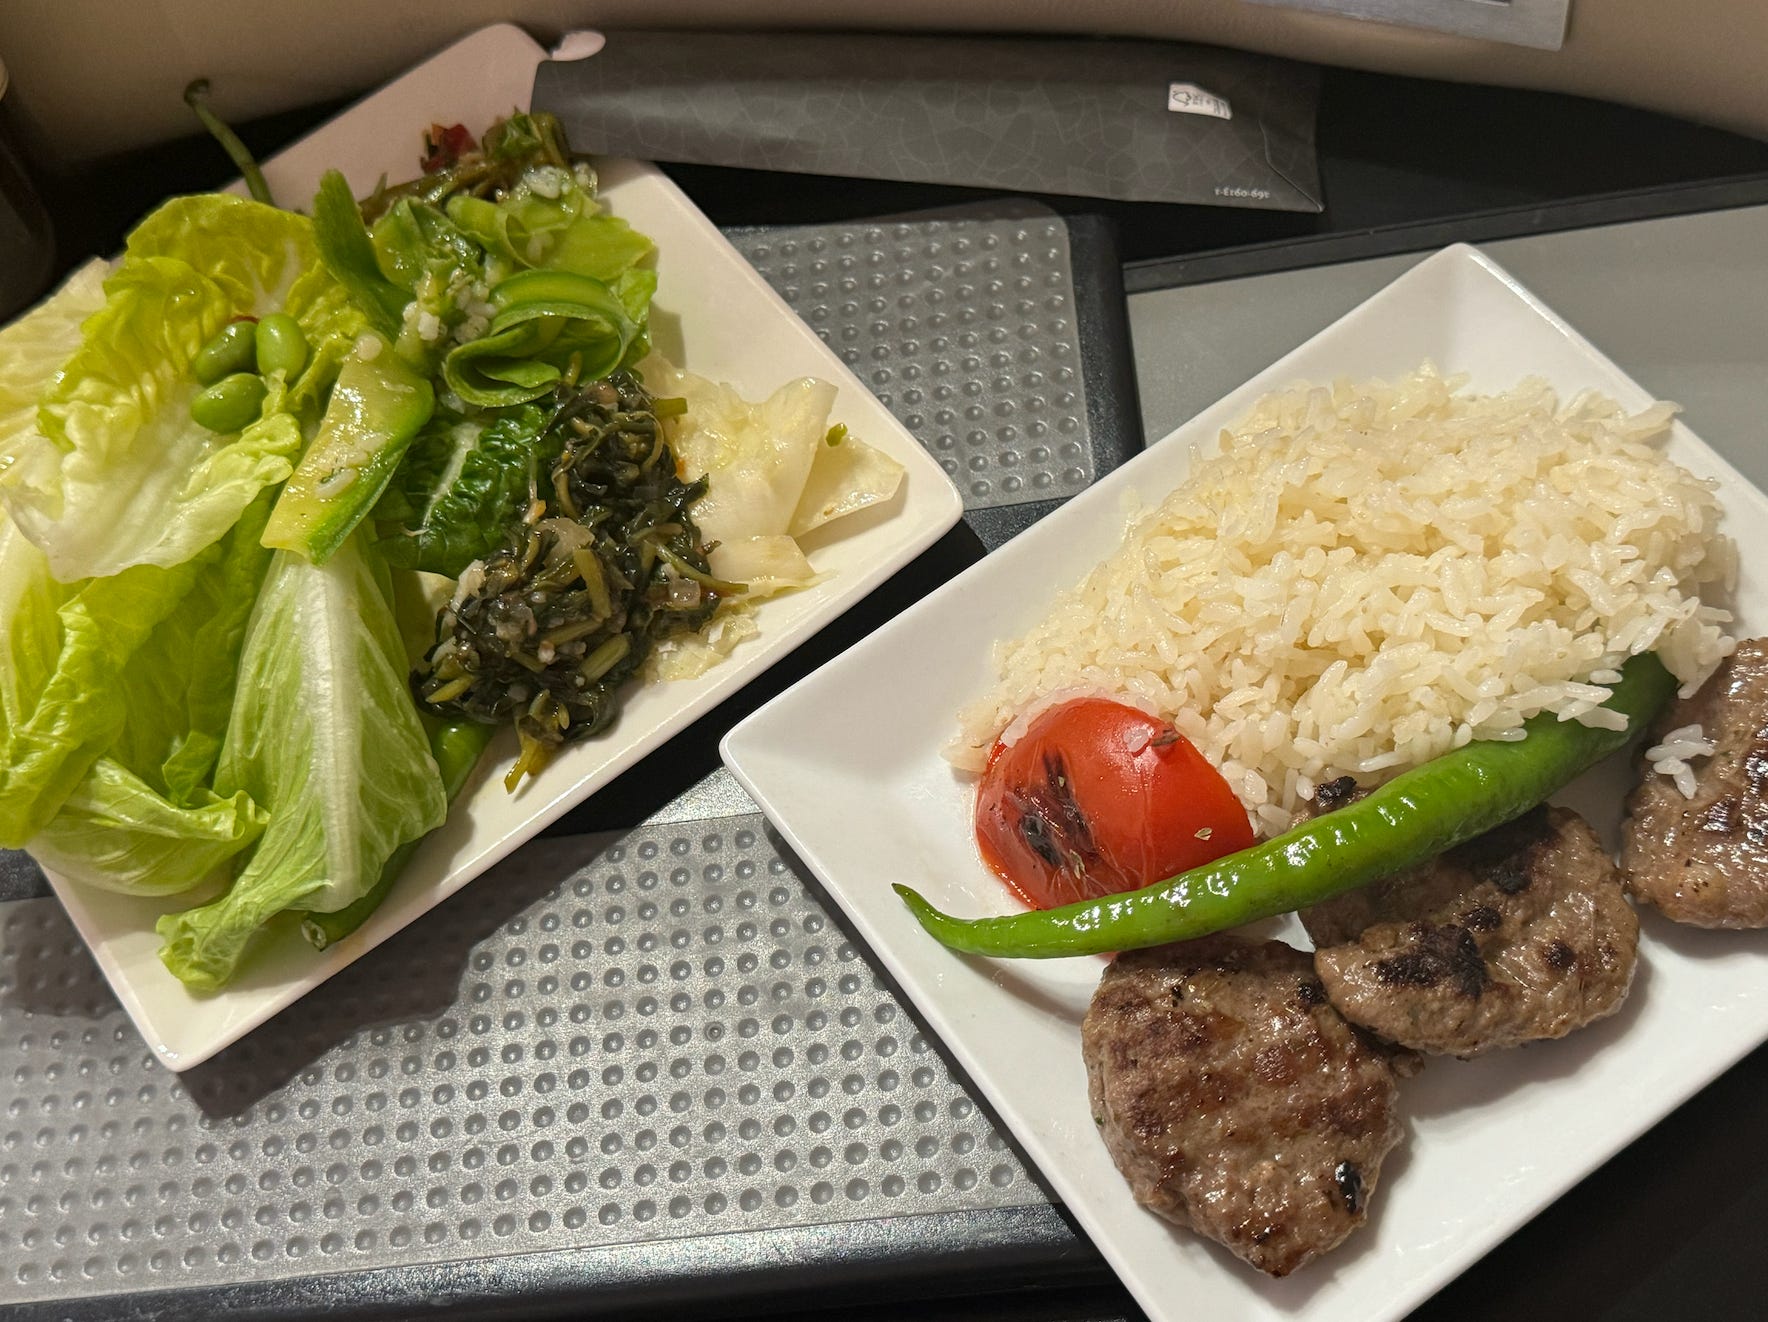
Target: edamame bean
(230,405)
(281,344)
(232,349)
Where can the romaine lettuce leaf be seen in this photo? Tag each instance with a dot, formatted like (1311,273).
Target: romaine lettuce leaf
(66,649)
(118,833)
(179,686)
(33,348)
(464,481)
(323,734)
(143,820)
(265,260)
(255,253)
(61,661)
(115,474)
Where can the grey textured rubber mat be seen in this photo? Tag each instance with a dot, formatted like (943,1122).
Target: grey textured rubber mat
(604,1040)
(965,326)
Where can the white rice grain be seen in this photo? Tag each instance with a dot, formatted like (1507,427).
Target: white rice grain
(1671,755)
(1359,577)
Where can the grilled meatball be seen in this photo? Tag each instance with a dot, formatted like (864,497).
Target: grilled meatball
(1235,1100)
(1705,860)
(1523,933)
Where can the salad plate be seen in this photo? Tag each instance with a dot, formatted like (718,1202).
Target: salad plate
(861,792)
(714,315)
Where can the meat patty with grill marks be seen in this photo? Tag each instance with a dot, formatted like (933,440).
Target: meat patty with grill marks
(1705,860)
(1236,1100)
(1521,934)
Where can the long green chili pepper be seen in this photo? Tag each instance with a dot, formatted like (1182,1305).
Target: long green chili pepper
(456,745)
(1414,817)
(196,96)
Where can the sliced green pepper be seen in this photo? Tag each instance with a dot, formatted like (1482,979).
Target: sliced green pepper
(457,745)
(376,407)
(543,320)
(1414,817)
(349,253)
(559,293)
(485,222)
(196,96)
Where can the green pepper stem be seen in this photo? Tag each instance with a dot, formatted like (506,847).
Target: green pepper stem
(1412,818)
(196,96)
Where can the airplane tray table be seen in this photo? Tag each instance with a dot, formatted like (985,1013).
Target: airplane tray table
(639,1069)
(639,1066)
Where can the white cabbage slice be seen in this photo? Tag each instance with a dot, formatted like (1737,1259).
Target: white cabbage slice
(773,472)
(847,477)
(765,565)
(773,475)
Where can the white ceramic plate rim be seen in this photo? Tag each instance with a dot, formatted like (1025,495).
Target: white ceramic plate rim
(485,74)
(991,1029)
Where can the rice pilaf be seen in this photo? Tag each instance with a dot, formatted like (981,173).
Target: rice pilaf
(1362,576)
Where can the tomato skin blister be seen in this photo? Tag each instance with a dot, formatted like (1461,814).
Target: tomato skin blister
(1096,798)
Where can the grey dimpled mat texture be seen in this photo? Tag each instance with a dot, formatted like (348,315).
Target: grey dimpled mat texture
(605,1040)
(964,326)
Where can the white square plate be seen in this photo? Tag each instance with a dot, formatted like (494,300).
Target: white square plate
(715,316)
(847,764)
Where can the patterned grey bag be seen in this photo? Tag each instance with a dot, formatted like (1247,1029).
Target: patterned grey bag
(1129,120)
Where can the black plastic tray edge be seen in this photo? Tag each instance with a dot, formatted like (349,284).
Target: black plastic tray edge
(1478,227)
(858,1263)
